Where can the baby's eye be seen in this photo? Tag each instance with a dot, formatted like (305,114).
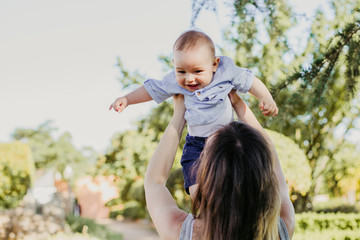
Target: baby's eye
(198,71)
(181,72)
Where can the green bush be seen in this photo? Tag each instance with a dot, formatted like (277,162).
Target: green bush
(99,231)
(16,173)
(329,226)
(314,222)
(328,235)
(132,210)
(293,161)
(72,236)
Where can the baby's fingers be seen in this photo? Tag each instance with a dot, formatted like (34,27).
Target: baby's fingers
(276,111)
(120,108)
(272,110)
(261,105)
(267,110)
(266,113)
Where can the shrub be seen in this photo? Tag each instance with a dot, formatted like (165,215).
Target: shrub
(16,173)
(329,226)
(132,210)
(93,229)
(328,235)
(75,236)
(315,222)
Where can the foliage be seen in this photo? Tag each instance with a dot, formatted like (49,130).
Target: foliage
(131,210)
(50,152)
(16,173)
(328,235)
(77,224)
(72,236)
(128,157)
(293,162)
(334,222)
(343,174)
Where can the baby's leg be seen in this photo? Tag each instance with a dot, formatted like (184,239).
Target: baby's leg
(192,190)
(191,153)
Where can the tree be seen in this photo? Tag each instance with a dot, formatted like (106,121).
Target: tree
(316,88)
(50,152)
(342,175)
(128,157)
(16,173)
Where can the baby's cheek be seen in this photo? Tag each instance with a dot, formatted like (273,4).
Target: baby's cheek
(180,82)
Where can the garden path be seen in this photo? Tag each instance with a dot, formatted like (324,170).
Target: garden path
(132,230)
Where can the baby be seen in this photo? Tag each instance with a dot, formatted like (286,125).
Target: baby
(205,81)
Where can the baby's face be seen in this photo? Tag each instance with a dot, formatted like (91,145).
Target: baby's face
(194,67)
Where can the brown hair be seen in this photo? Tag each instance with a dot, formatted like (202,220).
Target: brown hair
(237,195)
(191,38)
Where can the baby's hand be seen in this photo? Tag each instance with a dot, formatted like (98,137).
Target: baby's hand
(119,104)
(268,107)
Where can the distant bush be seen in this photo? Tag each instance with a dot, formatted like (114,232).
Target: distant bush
(132,210)
(335,205)
(16,173)
(346,208)
(77,224)
(73,236)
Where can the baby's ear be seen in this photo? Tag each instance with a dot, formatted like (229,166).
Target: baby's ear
(216,63)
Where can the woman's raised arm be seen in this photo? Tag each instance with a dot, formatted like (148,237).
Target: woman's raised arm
(166,216)
(245,114)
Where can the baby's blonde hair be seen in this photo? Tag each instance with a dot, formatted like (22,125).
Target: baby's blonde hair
(192,38)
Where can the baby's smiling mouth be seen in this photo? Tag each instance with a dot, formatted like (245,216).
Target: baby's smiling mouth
(193,86)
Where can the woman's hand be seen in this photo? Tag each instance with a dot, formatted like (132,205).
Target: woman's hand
(179,107)
(239,106)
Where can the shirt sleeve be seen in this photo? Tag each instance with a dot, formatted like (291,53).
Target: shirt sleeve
(160,90)
(241,78)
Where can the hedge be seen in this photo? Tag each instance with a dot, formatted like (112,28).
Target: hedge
(337,226)
(310,221)
(328,235)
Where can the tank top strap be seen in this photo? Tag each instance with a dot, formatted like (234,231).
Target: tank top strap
(283,232)
(187,228)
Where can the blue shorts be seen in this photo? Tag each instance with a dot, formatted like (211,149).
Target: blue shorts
(191,153)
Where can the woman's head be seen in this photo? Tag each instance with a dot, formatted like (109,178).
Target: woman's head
(237,195)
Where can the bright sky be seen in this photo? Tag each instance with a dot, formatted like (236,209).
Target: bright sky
(57,60)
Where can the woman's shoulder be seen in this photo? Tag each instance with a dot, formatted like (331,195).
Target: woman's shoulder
(175,223)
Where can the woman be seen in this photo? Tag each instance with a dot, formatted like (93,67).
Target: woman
(237,195)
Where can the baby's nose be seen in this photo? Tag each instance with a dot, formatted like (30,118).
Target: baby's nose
(189,78)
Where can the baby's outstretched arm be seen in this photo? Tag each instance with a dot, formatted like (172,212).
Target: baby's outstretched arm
(139,95)
(266,102)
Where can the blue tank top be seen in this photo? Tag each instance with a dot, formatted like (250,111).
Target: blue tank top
(188,224)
